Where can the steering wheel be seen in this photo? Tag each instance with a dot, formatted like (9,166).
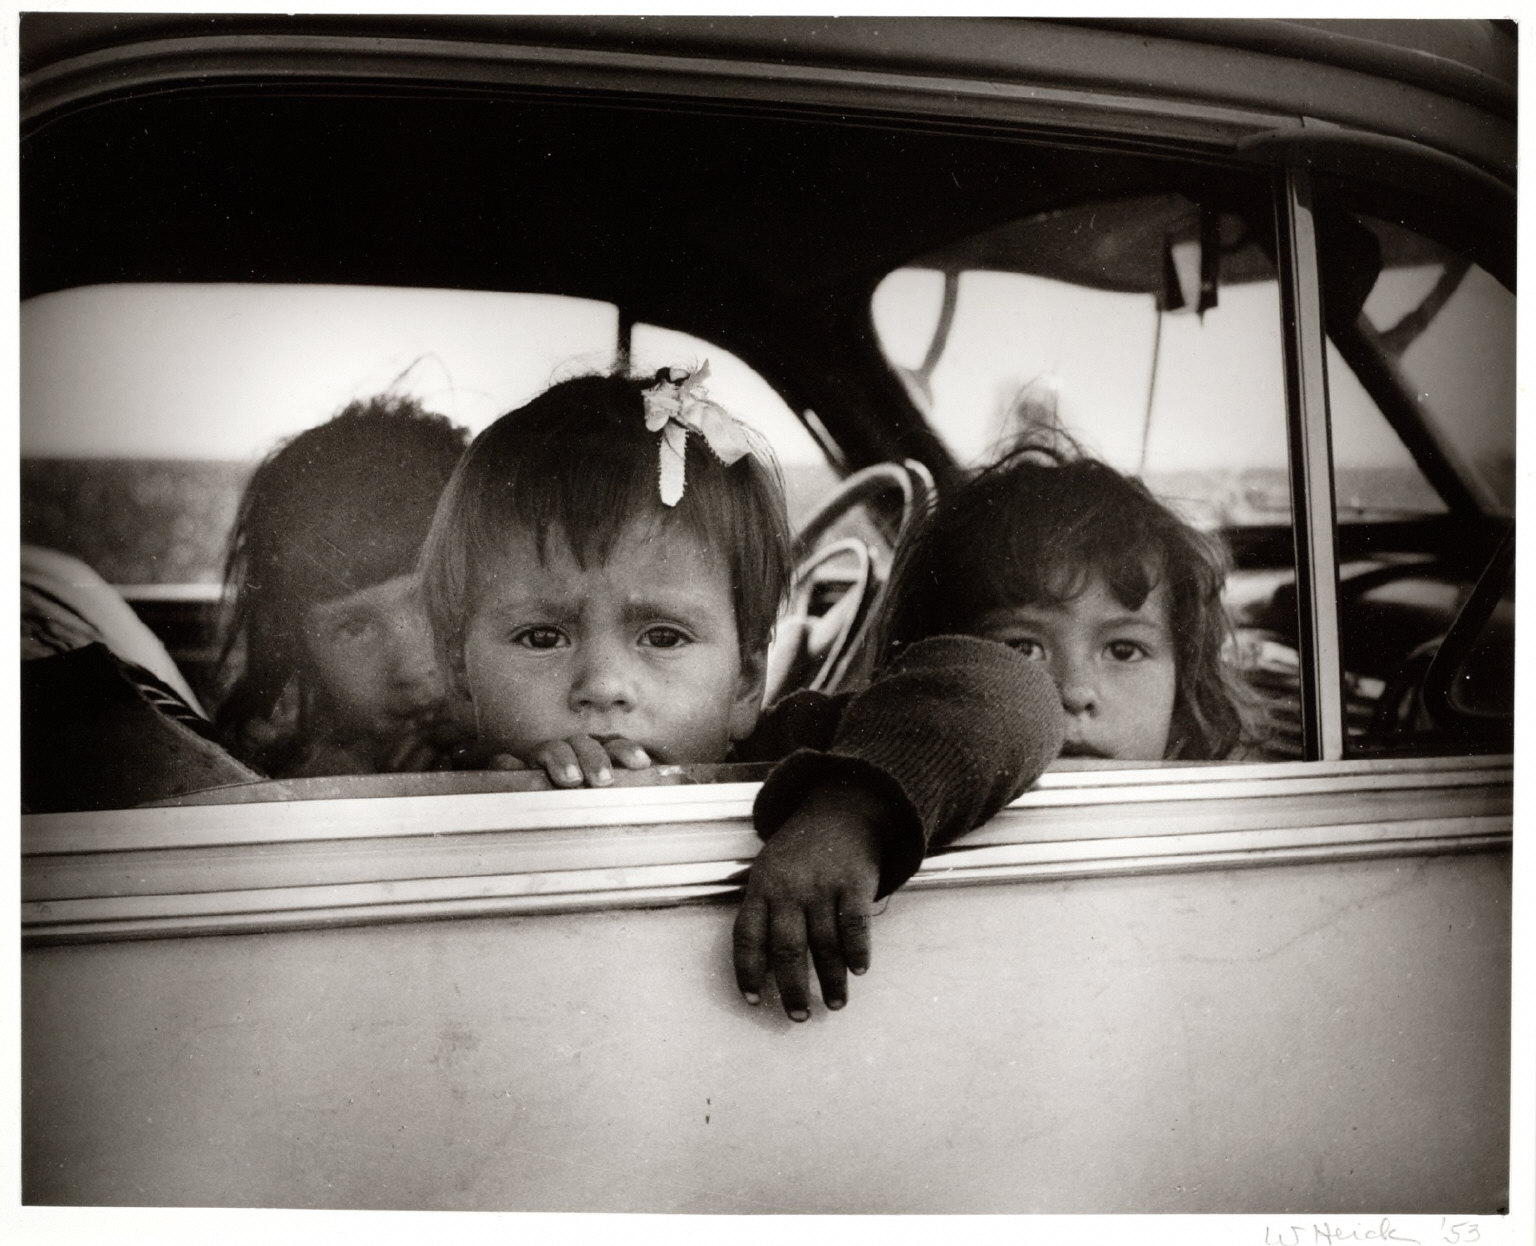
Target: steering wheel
(818,652)
(1419,696)
(1398,711)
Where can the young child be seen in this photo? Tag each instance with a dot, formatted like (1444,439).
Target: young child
(336,672)
(603,576)
(1082,570)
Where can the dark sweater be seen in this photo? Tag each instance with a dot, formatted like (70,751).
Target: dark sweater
(956,729)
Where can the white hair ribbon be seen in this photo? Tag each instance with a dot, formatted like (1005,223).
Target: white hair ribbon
(676,406)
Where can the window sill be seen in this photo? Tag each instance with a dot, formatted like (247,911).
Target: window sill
(210,869)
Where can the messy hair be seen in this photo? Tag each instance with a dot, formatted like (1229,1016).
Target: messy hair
(1035,528)
(332,510)
(579,462)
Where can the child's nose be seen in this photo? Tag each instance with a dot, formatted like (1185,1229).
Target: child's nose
(414,658)
(601,681)
(1079,693)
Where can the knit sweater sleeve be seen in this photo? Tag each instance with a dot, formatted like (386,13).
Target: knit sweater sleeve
(957,729)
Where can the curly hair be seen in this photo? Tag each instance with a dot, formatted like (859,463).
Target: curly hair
(1034,528)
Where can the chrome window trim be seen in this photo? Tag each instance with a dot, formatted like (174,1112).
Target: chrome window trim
(1311,455)
(154,873)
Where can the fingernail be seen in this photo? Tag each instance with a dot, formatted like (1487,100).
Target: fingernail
(835,1004)
(860,971)
(602,777)
(570,774)
(799,1014)
(751,998)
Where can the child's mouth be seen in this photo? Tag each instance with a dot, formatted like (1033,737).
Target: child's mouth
(1076,748)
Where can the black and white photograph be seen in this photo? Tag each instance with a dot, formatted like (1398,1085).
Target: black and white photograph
(768,616)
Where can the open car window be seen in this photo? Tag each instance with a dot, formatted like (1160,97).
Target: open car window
(923,293)
(1146,325)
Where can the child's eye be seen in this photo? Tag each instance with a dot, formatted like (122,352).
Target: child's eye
(539,638)
(1125,651)
(664,638)
(1031,649)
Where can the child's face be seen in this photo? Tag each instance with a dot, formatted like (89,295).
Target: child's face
(371,664)
(1114,667)
(643,647)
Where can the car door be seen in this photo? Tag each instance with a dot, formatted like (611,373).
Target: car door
(1257,985)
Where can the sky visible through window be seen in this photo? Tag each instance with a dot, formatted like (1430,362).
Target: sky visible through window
(224,371)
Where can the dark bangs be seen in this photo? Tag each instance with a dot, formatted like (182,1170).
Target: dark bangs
(1058,531)
(1032,529)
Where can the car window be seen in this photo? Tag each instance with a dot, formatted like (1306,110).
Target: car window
(1148,328)
(1447,327)
(1129,297)
(146,407)
(1421,391)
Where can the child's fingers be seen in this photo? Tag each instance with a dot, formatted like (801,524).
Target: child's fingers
(558,760)
(748,938)
(505,761)
(853,921)
(628,754)
(592,757)
(413,755)
(827,956)
(786,953)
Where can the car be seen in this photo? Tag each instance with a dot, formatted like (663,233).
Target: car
(1268,266)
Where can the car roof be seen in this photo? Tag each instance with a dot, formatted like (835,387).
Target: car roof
(1474,61)
(164,160)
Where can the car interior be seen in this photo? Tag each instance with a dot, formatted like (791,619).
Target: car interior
(881,279)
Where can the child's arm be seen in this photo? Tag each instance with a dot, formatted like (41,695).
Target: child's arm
(959,728)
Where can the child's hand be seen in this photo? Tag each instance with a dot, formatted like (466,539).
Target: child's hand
(578,759)
(413,754)
(811,888)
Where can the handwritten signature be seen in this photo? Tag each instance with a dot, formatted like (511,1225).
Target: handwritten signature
(1326,1233)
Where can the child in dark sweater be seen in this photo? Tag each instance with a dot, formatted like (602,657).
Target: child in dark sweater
(602,578)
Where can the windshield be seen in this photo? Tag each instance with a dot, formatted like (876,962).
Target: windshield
(1149,327)
(1446,329)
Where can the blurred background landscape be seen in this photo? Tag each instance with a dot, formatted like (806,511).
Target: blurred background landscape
(167,521)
